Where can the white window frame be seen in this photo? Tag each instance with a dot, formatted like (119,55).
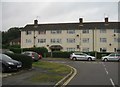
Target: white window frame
(28,32)
(103,40)
(56,31)
(41,40)
(71,31)
(85,40)
(70,40)
(42,32)
(28,40)
(85,31)
(56,40)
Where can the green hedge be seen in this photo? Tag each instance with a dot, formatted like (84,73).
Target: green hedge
(26,60)
(39,50)
(59,54)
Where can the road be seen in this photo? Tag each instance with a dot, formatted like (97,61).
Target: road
(95,74)
(89,74)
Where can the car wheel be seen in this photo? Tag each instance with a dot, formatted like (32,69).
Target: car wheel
(119,60)
(105,59)
(74,58)
(89,59)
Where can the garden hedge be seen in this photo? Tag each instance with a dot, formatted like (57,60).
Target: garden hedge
(59,54)
(26,60)
(40,50)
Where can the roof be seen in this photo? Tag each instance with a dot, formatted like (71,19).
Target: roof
(16,40)
(71,26)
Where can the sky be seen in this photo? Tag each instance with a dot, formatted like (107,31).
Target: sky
(21,13)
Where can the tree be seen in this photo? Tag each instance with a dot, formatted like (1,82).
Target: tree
(12,33)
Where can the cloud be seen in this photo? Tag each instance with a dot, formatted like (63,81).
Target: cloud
(17,14)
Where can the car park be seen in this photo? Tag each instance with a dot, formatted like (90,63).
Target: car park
(35,56)
(111,57)
(81,56)
(8,64)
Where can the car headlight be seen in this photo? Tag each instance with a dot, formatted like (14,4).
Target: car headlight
(10,63)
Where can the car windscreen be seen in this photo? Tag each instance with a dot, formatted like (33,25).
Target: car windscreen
(6,58)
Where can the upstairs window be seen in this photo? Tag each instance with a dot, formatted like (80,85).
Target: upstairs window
(56,31)
(41,40)
(42,32)
(28,41)
(70,40)
(103,40)
(116,30)
(56,40)
(102,30)
(85,40)
(71,31)
(28,32)
(85,31)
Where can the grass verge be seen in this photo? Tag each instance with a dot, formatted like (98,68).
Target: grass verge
(53,72)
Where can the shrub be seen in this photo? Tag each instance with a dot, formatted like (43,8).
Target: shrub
(40,50)
(26,60)
(59,54)
(15,50)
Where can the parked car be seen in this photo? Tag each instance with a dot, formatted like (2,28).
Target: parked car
(111,57)
(35,56)
(8,64)
(81,56)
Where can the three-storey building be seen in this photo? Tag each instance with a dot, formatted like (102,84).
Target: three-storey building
(81,36)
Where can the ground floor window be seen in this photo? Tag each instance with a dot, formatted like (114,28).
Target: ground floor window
(70,49)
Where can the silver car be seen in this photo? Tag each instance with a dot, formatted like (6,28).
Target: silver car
(111,57)
(81,56)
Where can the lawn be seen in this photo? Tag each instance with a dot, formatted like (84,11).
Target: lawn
(53,72)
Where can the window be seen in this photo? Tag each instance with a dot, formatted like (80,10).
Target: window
(56,40)
(41,40)
(85,49)
(28,41)
(70,40)
(116,30)
(85,31)
(103,49)
(28,32)
(117,40)
(70,49)
(56,31)
(102,30)
(42,32)
(103,40)
(85,40)
(70,31)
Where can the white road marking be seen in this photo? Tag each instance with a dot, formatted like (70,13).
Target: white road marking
(106,71)
(112,82)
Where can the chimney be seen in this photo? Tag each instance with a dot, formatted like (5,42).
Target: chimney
(35,22)
(81,21)
(106,20)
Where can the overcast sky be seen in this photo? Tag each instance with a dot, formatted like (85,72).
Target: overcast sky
(18,14)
